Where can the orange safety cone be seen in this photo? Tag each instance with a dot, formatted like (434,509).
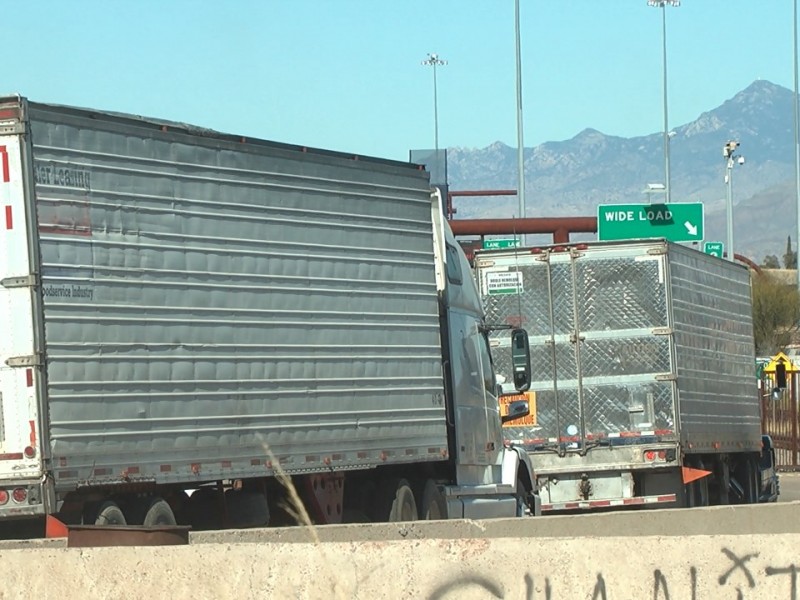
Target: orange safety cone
(690,474)
(53,528)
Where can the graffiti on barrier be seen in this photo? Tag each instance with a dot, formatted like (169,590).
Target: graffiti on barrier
(739,577)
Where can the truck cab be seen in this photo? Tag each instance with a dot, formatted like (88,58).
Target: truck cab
(483,462)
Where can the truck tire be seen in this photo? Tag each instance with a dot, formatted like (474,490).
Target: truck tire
(523,508)
(205,509)
(698,493)
(104,514)
(246,509)
(750,479)
(434,504)
(394,502)
(159,514)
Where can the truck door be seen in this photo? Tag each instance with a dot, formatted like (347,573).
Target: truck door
(600,345)
(20,435)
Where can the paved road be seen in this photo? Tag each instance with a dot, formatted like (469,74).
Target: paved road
(790,487)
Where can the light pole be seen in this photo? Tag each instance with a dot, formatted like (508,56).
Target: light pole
(796,144)
(662,4)
(520,145)
(434,61)
(729,152)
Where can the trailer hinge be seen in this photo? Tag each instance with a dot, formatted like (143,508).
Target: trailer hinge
(31,280)
(32,360)
(662,331)
(657,251)
(666,377)
(16,127)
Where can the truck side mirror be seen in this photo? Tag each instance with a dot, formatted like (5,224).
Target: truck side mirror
(516,410)
(521,359)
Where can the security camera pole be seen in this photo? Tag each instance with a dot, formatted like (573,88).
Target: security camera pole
(729,152)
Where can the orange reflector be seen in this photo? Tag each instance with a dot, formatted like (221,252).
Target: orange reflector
(54,528)
(690,474)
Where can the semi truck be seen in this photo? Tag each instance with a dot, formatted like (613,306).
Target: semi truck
(643,388)
(201,328)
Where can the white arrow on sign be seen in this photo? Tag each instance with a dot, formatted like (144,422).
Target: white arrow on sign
(690,228)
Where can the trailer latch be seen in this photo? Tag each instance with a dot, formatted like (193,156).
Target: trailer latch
(18,282)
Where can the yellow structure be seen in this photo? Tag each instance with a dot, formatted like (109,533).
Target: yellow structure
(781,359)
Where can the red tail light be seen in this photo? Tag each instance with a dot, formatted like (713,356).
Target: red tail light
(19,495)
(30,452)
(3,497)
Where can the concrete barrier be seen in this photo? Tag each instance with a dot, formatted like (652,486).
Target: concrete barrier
(722,552)
(757,519)
(696,567)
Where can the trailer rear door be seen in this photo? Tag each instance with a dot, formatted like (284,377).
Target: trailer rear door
(20,442)
(600,342)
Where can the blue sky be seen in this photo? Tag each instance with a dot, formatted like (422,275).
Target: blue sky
(346,74)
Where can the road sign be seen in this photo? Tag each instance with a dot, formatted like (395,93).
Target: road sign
(497,244)
(677,222)
(714,248)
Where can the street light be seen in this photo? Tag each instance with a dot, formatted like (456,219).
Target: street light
(796,142)
(434,61)
(729,152)
(662,4)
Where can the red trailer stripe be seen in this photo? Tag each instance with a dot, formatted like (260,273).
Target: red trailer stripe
(9,219)
(6,172)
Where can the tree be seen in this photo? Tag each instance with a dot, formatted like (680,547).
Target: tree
(789,257)
(771,262)
(776,314)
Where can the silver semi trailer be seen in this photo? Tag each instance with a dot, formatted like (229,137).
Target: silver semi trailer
(643,386)
(193,323)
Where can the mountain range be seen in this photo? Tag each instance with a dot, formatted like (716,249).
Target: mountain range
(572,177)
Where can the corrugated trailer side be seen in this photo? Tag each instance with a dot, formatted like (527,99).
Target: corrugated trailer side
(714,353)
(181,272)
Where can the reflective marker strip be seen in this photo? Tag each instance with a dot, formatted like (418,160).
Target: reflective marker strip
(9,220)
(5,172)
(607,503)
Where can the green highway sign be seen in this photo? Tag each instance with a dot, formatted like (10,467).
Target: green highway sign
(677,222)
(498,244)
(714,248)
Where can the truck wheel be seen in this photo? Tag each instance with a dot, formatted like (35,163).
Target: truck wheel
(522,498)
(159,514)
(697,492)
(105,513)
(745,482)
(247,509)
(434,505)
(394,502)
(205,509)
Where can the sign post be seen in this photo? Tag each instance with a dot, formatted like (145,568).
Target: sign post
(676,222)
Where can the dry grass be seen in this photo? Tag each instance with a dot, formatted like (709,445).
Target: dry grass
(297,510)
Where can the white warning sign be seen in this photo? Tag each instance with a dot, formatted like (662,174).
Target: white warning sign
(503,282)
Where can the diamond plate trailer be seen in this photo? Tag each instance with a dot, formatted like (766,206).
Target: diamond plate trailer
(188,316)
(644,387)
